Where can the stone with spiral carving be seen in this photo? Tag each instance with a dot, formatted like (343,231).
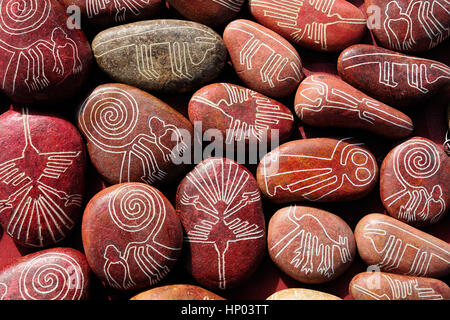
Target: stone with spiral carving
(309,244)
(41,59)
(318,169)
(131,236)
(220,207)
(414,180)
(52,274)
(132,136)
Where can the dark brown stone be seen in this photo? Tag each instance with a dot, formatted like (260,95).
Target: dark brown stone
(327,101)
(52,274)
(240,114)
(393,246)
(161,55)
(414,180)
(41,59)
(177,292)
(410,25)
(394,78)
(323,25)
(42,177)
(130,135)
(389,286)
(318,169)
(220,207)
(209,12)
(309,244)
(131,235)
(264,61)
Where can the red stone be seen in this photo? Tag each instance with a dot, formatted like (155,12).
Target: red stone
(318,169)
(264,61)
(410,25)
(240,114)
(129,135)
(131,235)
(42,174)
(41,59)
(209,12)
(414,180)
(389,286)
(309,244)
(393,246)
(52,274)
(327,101)
(105,13)
(394,78)
(322,25)
(220,207)
(177,292)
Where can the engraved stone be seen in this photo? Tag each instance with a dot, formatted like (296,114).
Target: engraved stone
(131,235)
(220,207)
(161,55)
(301,294)
(318,169)
(177,292)
(42,177)
(414,180)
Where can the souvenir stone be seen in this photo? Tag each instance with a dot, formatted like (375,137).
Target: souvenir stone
(41,59)
(318,169)
(132,136)
(310,245)
(42,174)
(323,100)
(389,286)
(131,236)
(209,12)
(161,55)
(414,182)
(411,26)
(323,25)
(396,247)
(177,292)
(301,294)
(391,77)
(103,13)
(52,274)
(220,207)
(264,61)
(240,114)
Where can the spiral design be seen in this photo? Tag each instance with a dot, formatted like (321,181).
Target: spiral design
(108,116)
(134,207)
(417,159)
(18,17)
(52,276)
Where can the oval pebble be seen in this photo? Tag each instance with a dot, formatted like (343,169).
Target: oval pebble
(414,184)
(240,114)
(132,236)
(161,55)
(42,177)
(309,244)
(396,247)
(301,294)
(327,101)
(389,286)
(318,169)
(220,207)
(52,274)
(133,136)
(263,60)
(177,292)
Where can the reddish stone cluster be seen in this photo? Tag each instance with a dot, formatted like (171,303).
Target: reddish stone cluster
(116,123)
